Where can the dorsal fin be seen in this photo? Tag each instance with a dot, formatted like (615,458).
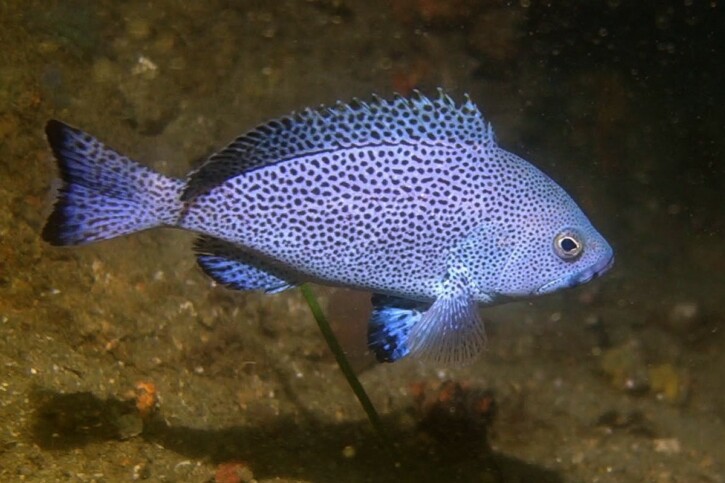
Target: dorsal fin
(413,120)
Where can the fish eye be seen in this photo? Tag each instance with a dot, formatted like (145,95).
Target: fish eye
(568,245)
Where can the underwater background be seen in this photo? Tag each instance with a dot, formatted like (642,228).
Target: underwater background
(120,361)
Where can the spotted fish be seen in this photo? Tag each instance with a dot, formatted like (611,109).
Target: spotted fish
(411,199)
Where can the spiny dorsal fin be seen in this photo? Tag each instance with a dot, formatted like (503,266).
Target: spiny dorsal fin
(402,120)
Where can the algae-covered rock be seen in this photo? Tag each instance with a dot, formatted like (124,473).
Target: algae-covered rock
(669,383)
(625,367)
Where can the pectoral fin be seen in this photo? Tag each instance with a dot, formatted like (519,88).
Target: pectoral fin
(450,332)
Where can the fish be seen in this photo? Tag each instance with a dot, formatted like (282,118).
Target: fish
(409,198)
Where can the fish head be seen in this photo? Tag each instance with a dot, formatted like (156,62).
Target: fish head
(554,245)
(577,254)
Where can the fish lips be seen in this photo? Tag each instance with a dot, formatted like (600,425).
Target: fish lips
(587,275)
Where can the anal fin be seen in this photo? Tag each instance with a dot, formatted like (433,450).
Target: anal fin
(233,267)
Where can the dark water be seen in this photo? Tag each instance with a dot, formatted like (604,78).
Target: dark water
(619,380)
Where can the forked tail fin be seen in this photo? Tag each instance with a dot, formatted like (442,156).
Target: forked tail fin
(104,194)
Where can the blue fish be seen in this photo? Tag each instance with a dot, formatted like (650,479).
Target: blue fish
(411,199)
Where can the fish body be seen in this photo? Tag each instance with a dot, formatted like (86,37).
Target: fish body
(411,199)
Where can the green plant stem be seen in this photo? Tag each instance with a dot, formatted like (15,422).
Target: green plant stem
(344,364)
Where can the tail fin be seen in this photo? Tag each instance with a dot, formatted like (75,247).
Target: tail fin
(104,194)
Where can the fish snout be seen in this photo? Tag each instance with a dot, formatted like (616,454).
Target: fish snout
(598,268)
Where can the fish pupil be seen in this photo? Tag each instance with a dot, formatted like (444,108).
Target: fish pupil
(568,245)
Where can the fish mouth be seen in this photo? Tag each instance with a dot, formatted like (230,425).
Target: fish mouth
(587,275)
